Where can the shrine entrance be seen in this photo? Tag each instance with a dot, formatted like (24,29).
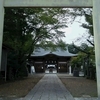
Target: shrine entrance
(46,61)
(95,4)
(51,69)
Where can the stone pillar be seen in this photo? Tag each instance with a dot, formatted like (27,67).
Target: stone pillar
(70,68)
(96,23)
(1,26)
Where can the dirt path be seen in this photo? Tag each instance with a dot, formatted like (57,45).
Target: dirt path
(19,88)
(79,86)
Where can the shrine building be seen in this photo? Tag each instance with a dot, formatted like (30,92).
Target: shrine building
(45,61)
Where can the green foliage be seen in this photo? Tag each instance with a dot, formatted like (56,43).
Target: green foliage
(24,28)
(72,49)
(88,19)
(86,57)
(83,56)
(78,61)
(87,13)
(85,49)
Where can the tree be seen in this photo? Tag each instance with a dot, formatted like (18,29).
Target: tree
(86,59)
(86,55)
(88,25)
(24,28)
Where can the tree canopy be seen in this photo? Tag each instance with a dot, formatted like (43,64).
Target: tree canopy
(27,28)
(86,53)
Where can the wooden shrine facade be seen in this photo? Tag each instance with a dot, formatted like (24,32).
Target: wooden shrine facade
(42,59)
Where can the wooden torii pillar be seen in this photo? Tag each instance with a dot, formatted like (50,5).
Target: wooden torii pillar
(95,4)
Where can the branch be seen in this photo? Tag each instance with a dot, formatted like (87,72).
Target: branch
(80,49)
(90,42)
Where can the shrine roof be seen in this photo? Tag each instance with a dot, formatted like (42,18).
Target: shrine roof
(58,52)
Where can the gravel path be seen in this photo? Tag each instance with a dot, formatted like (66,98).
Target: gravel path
(18,88)
(79,86)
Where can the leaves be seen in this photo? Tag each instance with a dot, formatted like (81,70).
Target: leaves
(25,28)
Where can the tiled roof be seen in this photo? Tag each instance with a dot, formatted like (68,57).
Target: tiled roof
(58,52)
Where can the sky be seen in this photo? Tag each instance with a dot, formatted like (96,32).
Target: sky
(75,31)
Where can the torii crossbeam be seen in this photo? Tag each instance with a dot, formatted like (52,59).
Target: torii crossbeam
(48,3)
(95,4)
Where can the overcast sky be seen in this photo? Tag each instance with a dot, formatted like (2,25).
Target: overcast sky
(75,31)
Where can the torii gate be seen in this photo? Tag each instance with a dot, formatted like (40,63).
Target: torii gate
(59,3)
